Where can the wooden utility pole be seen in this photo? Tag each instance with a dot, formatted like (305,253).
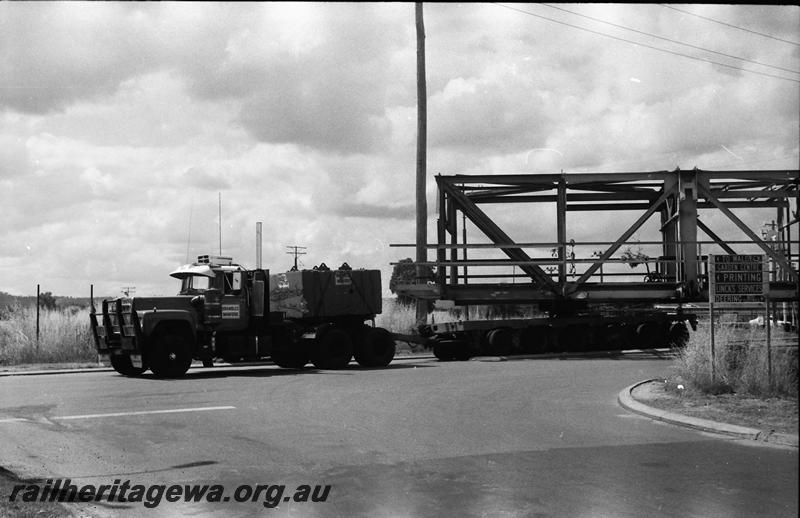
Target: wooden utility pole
(422,135)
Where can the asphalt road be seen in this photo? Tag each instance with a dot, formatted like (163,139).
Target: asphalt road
(419,439)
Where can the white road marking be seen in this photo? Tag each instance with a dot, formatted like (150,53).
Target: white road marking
(124,414)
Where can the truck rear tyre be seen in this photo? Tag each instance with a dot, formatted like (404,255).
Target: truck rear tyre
(122,364)
(333,349)
(376,349)
(170,355)
(295,359)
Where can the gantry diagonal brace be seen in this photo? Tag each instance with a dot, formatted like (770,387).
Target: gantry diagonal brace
(496,234)
(776,256)
(624,237)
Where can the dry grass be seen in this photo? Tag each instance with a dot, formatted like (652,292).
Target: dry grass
(397,317)
(64,336)
(740,362)
(778,414)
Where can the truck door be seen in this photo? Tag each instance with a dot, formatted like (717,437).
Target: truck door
(235,313)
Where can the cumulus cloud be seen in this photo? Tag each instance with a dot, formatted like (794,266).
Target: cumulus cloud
(122,123)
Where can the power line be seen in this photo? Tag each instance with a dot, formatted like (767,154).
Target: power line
(648,46)
(671,40)
(730,25)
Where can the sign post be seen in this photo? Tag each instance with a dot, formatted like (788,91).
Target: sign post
(738,281)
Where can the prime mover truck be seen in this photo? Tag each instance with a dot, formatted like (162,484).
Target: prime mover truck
(225,311)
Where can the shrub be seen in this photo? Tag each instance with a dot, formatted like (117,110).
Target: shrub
(740,362)
(64,336)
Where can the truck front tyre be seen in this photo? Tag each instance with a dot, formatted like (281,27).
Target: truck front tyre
(333,349)
(122,364)
(376,349)
(170,355)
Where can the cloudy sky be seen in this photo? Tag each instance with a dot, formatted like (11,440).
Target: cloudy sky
(122,123)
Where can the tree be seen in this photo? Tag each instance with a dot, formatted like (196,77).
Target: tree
(405,272)
(47,300)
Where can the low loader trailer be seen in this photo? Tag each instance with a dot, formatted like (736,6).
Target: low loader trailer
(605,294)
(588,332)
(224,311)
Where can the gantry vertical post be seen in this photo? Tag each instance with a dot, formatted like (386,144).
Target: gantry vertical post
(561,231)
(687,227)
(669,231)
(452,228)
(441,229)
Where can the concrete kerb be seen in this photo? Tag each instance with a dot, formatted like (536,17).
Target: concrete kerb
(627,401)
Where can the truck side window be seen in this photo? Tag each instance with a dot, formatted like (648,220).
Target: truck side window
(233,283)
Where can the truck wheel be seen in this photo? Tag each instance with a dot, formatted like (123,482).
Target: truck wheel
(170,355)
(122,364)
(333,349)
(376,349)
(293,359)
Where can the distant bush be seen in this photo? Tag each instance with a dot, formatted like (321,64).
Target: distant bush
(740,362)
(64,335)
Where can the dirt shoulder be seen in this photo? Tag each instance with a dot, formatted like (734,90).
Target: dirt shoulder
(776,414)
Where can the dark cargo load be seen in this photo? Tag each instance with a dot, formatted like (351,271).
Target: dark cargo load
(325,293)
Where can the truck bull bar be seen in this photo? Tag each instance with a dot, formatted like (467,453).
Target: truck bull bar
(119,327)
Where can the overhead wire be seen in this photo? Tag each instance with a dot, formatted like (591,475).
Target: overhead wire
(671,40)
(730,25)
(606,35)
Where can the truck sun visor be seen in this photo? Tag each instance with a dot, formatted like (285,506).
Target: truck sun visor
(192,269)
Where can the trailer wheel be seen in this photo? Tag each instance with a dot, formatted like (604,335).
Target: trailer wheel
(170,354)
(650,335)
(333,349)
(122,364)
(574,338)
(500,341)
(376,348)
(678,335)
(614,336)
(533,340)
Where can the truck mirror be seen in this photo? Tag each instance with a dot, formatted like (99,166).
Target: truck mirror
(236,285)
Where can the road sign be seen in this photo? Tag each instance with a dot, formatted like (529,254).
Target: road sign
(737,279)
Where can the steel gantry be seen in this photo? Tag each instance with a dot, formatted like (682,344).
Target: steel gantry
(678,197)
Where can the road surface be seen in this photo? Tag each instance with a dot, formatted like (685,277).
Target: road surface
(542,437)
